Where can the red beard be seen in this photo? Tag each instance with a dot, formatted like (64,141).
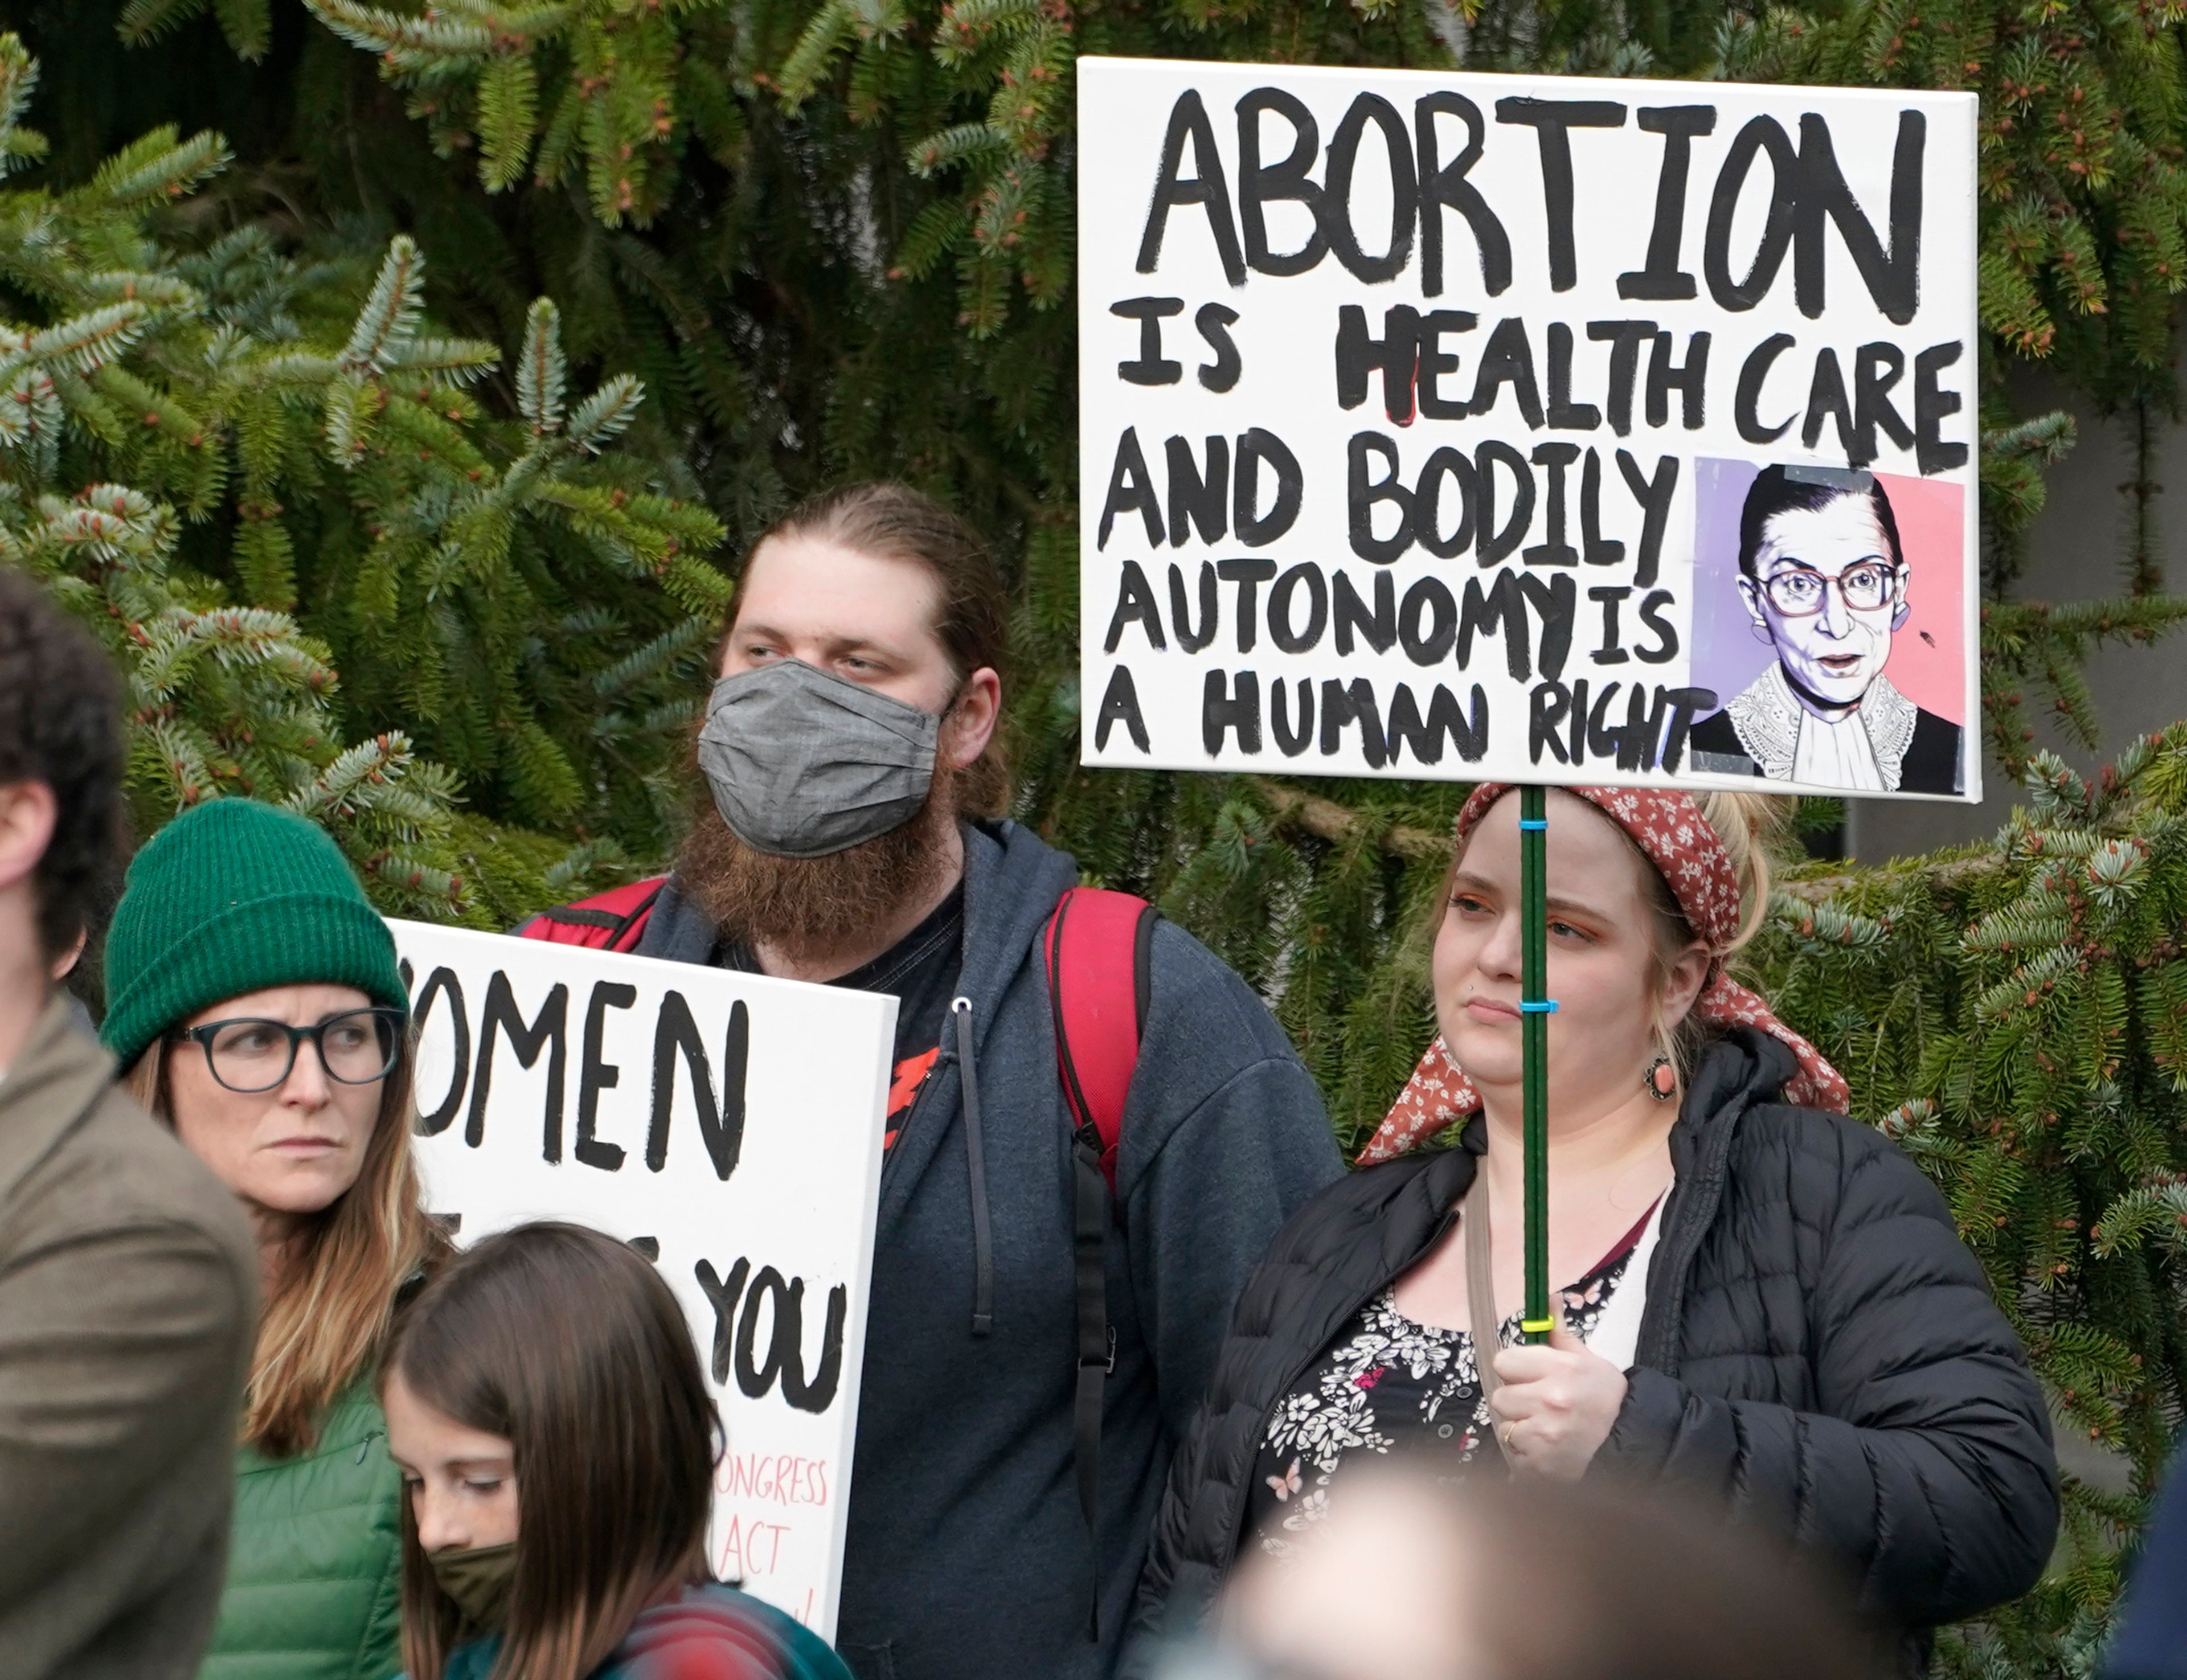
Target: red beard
(815,910)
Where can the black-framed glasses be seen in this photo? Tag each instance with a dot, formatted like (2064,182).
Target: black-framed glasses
(1797,592)
(248,1056)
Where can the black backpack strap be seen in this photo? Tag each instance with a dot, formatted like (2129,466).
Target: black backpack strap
(575,915)
(1104,964)
(1097,1340)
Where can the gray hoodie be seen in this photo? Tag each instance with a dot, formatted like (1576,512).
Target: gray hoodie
(969,1556)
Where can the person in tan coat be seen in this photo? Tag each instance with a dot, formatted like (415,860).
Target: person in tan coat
(129,1282)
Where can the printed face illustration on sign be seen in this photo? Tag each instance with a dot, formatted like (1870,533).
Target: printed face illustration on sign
(1826,581)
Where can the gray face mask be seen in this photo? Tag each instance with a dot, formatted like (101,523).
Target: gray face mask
(803,764)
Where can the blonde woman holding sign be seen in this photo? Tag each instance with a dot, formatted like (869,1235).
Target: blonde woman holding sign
(254,999)
(1762,1300)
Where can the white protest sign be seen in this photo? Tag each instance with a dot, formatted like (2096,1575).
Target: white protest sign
(1525,427)
(730,1126)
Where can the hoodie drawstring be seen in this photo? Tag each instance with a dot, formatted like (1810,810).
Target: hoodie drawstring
(976,1161)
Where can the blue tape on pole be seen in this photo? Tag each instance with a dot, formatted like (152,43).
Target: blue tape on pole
(1542,822)
(1547,1006)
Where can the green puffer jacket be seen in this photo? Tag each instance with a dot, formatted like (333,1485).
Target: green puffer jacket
(315,1559)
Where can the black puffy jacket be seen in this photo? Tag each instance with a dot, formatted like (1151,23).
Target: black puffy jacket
(1819,1351)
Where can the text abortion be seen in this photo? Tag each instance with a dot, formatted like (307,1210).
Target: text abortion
(1392,387)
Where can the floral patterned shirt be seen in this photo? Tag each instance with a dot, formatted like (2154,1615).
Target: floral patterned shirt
(1386,1379)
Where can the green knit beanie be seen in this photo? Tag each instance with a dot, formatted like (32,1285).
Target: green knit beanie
(234,897)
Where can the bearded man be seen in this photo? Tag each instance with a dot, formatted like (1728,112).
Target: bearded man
(851,835)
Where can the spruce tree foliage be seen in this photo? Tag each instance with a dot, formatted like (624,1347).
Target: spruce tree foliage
(2084,236)
(247,477)
(2015,1016)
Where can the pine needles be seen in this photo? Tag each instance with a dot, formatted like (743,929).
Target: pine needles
(243,509)
(2034,993)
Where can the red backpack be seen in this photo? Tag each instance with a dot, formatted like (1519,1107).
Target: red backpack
(1096,949)
(609,921)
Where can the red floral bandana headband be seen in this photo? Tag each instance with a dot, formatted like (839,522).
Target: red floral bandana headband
(1679,840)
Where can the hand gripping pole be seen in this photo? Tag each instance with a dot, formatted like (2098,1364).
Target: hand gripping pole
(1535,1008)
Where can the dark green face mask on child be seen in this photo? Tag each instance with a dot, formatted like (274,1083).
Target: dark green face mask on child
(477,1578)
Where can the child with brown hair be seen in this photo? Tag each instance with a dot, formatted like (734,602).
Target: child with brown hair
(557,1446)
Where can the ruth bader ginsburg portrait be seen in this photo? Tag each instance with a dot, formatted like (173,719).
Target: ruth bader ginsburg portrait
(1826,586)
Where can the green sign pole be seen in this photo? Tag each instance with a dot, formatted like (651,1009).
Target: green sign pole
(1534,1018)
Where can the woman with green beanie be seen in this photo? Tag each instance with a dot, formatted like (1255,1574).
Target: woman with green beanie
(253,1003)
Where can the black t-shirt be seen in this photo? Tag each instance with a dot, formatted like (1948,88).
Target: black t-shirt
(920,972)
